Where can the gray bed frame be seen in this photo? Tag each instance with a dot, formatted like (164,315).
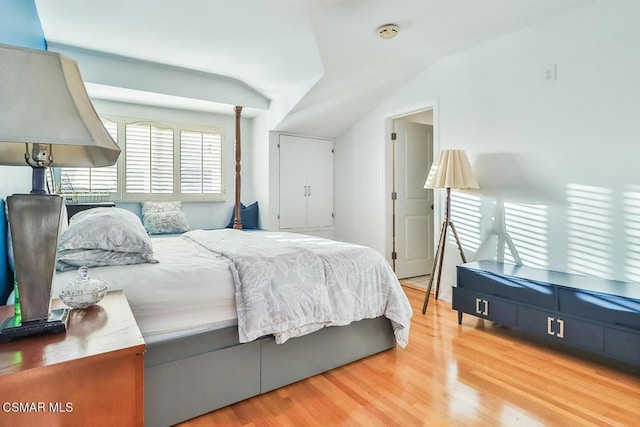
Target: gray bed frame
(190,376)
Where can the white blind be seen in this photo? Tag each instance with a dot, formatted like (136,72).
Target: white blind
(160,161)
(200,162)
(148,159)
(92,180)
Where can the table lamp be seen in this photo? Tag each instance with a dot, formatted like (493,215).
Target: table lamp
(46,119)
(450,170)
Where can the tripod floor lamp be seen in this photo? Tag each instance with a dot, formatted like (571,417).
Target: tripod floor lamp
(450,170)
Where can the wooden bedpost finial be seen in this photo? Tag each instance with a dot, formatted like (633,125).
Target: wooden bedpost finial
(237,222)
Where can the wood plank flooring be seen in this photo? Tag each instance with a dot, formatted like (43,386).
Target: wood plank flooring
(476,374)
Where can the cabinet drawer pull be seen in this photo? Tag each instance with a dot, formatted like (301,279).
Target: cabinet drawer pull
(550,326)
(485,307)
(561,331)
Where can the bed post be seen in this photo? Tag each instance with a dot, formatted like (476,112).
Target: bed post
(237,222)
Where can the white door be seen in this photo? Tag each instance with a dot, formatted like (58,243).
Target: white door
(306,182)
(293,182)
(319,183)
(414,212)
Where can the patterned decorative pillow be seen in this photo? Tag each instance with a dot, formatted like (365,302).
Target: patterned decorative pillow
(164,217)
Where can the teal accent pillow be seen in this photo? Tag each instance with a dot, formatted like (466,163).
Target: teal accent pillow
(6,284)
(248,215)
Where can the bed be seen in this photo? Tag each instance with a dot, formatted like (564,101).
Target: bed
(200,353)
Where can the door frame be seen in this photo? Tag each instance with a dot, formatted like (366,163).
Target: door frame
(438,201)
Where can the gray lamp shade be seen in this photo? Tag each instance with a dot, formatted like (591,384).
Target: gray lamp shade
(43,101)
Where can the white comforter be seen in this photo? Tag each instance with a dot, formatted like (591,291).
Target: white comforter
(290,285)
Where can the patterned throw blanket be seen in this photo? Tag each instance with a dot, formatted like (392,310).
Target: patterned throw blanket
(290,284)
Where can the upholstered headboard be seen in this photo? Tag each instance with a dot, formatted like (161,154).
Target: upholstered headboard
(5,280)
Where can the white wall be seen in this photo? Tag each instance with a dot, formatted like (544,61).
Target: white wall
(562,155)
(258,151)
(148,77)
(14,180)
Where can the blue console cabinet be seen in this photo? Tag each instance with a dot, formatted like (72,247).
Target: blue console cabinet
(597,315)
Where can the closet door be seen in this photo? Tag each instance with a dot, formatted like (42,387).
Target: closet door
(320,183)
(293,182)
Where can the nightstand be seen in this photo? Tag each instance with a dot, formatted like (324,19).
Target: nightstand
(92,375)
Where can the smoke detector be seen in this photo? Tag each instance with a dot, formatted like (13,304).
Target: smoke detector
(388,31)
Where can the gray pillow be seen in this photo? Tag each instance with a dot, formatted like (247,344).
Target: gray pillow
(164,217)
(104,236)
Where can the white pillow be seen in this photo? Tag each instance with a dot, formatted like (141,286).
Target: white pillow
(164,217)
(104,236)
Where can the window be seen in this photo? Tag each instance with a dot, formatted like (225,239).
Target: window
(200,162)
(159,161)
(148,159)
(80,181)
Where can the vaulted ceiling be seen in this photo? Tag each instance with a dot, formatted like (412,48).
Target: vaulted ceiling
(317,66)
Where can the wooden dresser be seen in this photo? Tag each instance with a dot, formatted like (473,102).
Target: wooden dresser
(91,375)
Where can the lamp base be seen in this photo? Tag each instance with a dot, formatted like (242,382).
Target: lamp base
(55,324)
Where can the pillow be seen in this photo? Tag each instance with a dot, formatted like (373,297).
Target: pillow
(248,215)
(104,236)
(164,217)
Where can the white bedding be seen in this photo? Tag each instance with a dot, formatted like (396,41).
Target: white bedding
(170,298)
(288,285)
(191,289)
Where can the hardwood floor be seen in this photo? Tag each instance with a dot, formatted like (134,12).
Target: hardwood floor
(470,375)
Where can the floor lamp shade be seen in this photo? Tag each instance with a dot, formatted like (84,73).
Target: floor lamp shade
(450,170)
(46,119)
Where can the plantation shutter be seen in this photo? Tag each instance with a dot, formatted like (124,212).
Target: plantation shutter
(96,180)
(151,168)
(148,159)
(200,162)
